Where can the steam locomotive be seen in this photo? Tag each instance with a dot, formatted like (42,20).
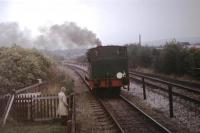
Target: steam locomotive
(108,69)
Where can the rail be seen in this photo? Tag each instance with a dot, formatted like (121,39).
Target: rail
(191,84)
(160,126)
(86,83)
(169,90)
(167,82)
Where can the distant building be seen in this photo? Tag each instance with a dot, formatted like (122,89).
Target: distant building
(185,44)
(196,45)
(188,45)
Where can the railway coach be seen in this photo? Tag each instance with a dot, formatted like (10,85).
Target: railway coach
(108,69)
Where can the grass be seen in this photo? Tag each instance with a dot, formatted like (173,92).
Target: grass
(31,127)
(59,77)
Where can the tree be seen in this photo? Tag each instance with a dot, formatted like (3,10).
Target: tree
(21,67)
(172,59)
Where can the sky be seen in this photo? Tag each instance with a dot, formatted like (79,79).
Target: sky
(113,21)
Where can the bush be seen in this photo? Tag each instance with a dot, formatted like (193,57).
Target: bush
(140,56)
(172,58)
(192,61)
(21,67)
(59,77)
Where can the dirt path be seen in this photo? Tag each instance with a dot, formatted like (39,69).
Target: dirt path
(85,119)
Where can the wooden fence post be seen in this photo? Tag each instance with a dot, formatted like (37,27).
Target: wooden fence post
(170,101)
(144,89)
(31,107)
(73,130)
(8,108)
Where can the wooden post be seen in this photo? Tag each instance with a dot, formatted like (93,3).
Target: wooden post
(8,108)
(48,109)
(70,106)
(44,107)
(25,108)
(51,107)
(37,108)
(55,106)
(170,101)
(31,107)
(40,112)
(144,90)
(73,130)
(20,107)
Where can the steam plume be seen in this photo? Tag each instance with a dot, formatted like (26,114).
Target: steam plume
(64,36)
(11,34)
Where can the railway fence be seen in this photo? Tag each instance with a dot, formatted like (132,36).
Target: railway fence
(28,104)
(34,108)
(37,108)
(170,87)
(7,100)
(191,84)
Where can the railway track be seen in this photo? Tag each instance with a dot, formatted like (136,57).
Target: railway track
(104,122)
(184,92)
(194,85)
(130,117)
(126,116)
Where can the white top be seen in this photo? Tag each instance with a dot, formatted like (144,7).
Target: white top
(62,105)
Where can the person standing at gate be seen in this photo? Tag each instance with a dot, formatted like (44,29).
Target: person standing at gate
(63,106)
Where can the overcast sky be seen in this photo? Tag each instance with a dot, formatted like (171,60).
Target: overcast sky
(114,21)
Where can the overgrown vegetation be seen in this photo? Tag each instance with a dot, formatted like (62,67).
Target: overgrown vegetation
(59,77)
(172,58)
(21,67)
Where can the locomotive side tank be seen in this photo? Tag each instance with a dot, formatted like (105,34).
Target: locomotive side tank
(108,68)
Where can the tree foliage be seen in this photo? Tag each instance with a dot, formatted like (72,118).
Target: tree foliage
(172,58)
(21,67)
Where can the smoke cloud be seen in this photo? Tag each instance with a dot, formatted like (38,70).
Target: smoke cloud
(55,37)
(65,36)
(11,34)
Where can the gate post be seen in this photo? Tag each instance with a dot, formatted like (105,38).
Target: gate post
(70,108)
